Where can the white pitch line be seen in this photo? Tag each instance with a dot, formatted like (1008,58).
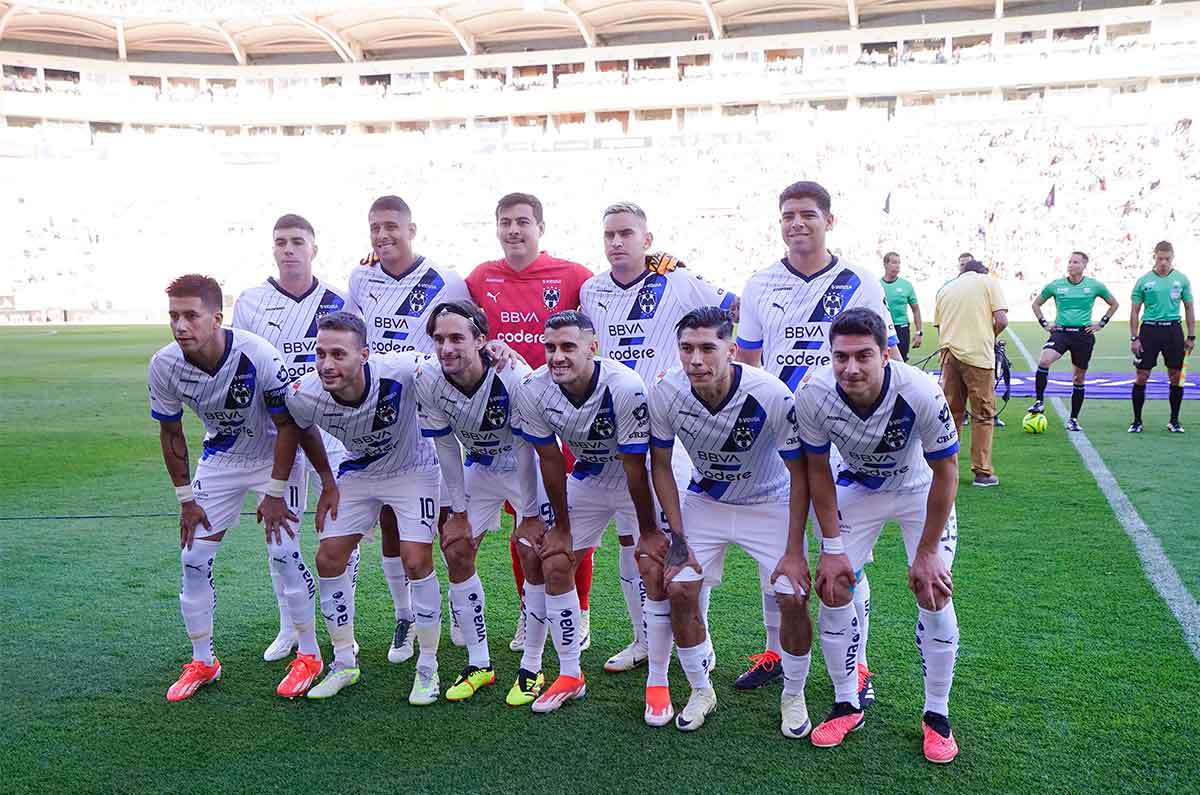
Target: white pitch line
(1155,563)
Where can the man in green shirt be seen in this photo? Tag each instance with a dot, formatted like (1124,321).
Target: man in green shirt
(1160,291)
(900,296)
(1072,330)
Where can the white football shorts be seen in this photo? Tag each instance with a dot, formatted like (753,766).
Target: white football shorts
(413,496)
(221,488)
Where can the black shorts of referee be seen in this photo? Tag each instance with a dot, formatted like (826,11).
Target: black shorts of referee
(1076,339)
(1161,337)
(902,341)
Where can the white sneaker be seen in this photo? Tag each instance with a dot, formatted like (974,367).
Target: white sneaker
(627,658)
(402,642)
(426,688)
(518,641)
(456,633)
(701,704)
(585,630)
(282,646)
(339,676)
(795,723)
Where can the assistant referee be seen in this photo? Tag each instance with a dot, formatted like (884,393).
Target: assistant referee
(1160,291)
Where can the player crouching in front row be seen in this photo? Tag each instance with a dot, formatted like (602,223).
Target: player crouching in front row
(899,445)
(370,406)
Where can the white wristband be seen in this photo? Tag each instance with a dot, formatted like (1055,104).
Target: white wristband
(185,494)
(276,488)
(833,546)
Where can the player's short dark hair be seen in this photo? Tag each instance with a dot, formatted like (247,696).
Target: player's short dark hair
(345,321)
(966,254)
(293,221)
(1082,255)
(706,317)
(1164,247)
(859,322)
(464,309)
(513,199)
(807,190)
(568,318)
(974,266)
(393,203)
(194,285)
(889,255)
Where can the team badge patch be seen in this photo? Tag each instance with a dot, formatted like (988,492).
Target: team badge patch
(551,296)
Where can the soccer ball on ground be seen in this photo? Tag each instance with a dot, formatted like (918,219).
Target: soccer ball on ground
(1034,423)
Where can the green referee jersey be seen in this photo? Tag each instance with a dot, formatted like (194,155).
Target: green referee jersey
(1160,295)
(900,294)
(1073,302)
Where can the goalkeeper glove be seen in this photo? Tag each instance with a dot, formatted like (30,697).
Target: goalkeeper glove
(661,262)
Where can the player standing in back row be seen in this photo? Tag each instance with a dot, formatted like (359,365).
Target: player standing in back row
(900,296)
(1072,330)
(518,294)
(284,311)
(1161,291)
(396,298)
(786,311)
(635,311)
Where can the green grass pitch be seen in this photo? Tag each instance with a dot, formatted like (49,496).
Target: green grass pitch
(1073,676)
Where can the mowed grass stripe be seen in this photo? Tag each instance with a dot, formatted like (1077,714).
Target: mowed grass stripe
(1070,677)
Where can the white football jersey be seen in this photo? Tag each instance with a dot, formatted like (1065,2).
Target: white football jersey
(289,322)
(787,314)
(738,450)
(885,448)
(481,418)
(611,419)
(380,432)
(635,323)
(233,401)
(395,309)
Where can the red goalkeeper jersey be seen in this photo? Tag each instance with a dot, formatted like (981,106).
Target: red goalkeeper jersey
(517,303)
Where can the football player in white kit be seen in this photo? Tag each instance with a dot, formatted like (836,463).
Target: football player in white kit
(899,451)
(370,404)
(635,311)
(284,311)
(597,407)
(738,425)
(463,397)
(786,311)
(233,380)
(395,297)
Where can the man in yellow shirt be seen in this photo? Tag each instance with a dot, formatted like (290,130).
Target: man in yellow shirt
(970,312)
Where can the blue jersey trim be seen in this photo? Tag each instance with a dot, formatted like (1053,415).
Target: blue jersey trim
(633,449)
(747,344)
(166,417)
(435,433)
(656,442)
(529,437)
(791,455)
(946,453)
(818,449)
(728,301)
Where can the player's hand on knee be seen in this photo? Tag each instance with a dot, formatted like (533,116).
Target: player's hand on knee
(556,541)
(191,516)
(794,568)
(529,532)
(680,557)
(456,529)
(652,547)
(273,513)
(835,579)
(327,505)
(930,580)
(502,355)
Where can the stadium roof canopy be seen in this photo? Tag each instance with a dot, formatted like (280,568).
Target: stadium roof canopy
(355,30)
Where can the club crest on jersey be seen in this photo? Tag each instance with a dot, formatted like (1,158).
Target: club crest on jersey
(551,296)
(604,424)
(647,301)
(241,388)
(495,414)
(387,409)
(746,428)
(832,304)
(899,427)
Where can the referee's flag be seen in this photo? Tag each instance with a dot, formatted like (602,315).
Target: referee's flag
(1050,196)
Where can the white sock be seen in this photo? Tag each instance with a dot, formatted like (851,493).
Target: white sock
(658,641)
(705,598)
(795,672)
(937,641)
(772,619)
(562,612)
(534,606)
(634,591)
(427,604)
(198,597)
(862,608)
(355,561)
(300,591)
(839,646)
(337,606)
(275,567)
(694,661)
(398,584)
(467,600)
